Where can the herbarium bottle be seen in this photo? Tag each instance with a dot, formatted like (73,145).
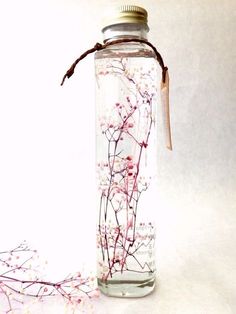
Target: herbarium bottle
(127,90)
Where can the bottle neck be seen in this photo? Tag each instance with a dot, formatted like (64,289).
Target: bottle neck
(125,30)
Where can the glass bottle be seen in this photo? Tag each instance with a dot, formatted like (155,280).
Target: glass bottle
(127,80)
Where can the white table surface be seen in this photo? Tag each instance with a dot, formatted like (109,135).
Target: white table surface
(196,268)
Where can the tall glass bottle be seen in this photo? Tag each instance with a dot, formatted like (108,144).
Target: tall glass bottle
(126,99)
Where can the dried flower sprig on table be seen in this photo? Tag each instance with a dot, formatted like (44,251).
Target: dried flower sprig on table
(20,277)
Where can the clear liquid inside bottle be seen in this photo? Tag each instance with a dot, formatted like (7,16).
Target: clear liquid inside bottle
(126,97)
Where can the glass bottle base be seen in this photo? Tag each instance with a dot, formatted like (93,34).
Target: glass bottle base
(127,289)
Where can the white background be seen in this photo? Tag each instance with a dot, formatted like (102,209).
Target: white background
(47,147)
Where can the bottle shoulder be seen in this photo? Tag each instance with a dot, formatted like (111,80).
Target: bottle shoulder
(125,50)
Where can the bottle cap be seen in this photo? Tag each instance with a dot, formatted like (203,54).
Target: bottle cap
(125,14)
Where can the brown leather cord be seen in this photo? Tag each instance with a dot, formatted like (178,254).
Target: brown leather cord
(99,46)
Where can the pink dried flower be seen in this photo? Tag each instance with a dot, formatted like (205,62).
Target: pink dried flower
(143,144)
